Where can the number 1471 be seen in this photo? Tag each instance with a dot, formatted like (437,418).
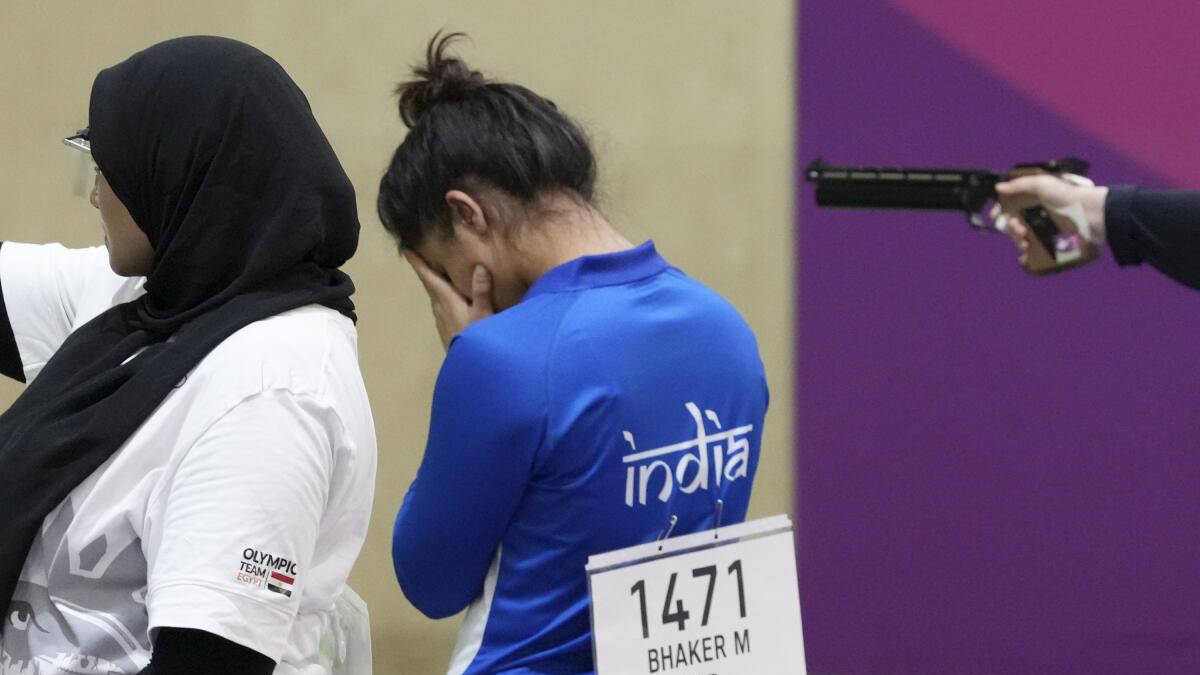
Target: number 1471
(678,614)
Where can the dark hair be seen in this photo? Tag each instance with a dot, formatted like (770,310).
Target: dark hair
(469,133)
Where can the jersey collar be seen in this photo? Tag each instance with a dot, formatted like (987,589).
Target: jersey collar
(594,271)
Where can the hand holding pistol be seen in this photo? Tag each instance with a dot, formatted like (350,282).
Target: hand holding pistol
(1053,235)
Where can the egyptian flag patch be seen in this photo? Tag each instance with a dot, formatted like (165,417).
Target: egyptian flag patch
(280,583)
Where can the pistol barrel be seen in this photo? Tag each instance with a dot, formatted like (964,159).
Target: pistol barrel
(887,188)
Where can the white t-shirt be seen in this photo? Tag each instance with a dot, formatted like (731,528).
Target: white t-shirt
(237,508)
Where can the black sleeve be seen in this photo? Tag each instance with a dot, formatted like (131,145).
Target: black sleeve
(10,357)
(185,651)
(1160,227)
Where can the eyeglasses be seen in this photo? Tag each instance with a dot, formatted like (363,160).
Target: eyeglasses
(80,141)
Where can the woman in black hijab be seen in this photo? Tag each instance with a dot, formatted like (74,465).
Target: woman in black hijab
(188,474)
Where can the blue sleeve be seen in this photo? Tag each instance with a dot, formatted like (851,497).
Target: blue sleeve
(486,426)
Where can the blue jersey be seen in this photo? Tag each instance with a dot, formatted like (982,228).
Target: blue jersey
(618,393)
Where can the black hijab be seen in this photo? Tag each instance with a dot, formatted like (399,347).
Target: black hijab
(216,154)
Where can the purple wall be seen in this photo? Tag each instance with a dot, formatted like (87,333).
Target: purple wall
(996,473)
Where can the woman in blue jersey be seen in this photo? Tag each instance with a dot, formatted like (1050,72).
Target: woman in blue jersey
(584,378)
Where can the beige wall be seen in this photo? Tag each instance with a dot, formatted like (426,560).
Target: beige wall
(690,104)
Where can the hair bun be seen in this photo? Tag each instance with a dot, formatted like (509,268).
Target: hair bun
(440,79)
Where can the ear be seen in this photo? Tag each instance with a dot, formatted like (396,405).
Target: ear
(467,212)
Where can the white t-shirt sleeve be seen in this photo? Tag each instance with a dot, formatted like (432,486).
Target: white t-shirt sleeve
(239,522)
(50,290)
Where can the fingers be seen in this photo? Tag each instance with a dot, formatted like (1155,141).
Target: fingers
(419,266)
(1023,185)
(435,285)
(1021,193)
(1055,193)
(1016,229)
(1022,239)
(452,310)
(481,293)
(1047,190)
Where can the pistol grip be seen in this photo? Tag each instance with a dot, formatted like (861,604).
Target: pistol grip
(1057,245)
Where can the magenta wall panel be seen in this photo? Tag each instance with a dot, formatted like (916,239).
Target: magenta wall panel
(995,473)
